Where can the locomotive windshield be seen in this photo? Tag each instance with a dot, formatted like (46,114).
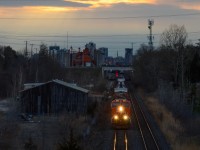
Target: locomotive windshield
(116,104)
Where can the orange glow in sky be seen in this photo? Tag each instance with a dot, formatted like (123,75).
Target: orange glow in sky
(192,7)
(35,10)
(94,4)
(106,3)
(91,17)
(52,9)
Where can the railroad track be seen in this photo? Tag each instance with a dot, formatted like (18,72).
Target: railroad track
(148,138)
(120,140)
(144,133)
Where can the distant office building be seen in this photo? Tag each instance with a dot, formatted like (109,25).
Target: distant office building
(55,47)
(91,47)
(119,61)
(61,55)
(109,61)
(53,51)
(99,58)
(128,56)
(104,51)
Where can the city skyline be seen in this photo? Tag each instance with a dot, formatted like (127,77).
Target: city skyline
(116,24)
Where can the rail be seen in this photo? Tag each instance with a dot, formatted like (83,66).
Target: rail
(120,140)
(148,138)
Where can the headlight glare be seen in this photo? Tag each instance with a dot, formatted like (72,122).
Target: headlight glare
(121,108)
(116,117)
(125,117)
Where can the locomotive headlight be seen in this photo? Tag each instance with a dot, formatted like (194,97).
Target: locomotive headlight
(116,117)
(125,117)
(120,108)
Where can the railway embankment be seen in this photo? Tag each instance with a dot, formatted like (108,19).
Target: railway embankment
(178,132)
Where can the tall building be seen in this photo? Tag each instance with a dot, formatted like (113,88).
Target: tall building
(53,51)
(104,51)
(119,61)
(100,56)
(91,47)
(61,55)
(128,56)
(109,61)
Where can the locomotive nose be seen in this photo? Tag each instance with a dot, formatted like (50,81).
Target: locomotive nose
(116,117)
(125,117)
(120,109)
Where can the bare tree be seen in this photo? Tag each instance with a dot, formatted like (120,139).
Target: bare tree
(175,38)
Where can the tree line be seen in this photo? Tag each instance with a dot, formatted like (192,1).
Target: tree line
(16,69)
(173,66)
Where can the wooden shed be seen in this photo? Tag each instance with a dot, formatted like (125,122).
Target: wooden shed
(54,97)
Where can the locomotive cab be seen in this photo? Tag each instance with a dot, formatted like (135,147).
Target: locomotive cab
(121,118)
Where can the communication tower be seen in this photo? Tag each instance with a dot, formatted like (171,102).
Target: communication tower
(150,37)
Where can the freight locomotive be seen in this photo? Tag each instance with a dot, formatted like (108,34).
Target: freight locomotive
(121,107)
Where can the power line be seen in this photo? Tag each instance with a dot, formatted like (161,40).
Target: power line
(76,36)
(82,36)
(107,42)
(100,18)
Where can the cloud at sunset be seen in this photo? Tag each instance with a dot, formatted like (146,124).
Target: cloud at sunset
(183,4)
(77,5)
(88,17)
(55,3)
(107,3)
(191,5)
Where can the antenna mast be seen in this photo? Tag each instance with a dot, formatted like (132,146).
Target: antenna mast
(67,40)
(150,37)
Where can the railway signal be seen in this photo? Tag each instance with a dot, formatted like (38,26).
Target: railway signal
(116,74)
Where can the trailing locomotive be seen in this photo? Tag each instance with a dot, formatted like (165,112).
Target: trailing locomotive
(121,107)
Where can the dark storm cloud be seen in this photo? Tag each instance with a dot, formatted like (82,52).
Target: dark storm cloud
(56,3)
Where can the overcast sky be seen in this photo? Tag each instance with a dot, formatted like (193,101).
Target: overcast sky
(109,23)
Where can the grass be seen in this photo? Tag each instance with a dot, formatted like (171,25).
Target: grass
(171,127)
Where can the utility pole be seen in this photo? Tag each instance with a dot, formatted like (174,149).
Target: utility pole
(26,51)
(150,37)
(67,40)
(132,54)
(31,49)
(132,46)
